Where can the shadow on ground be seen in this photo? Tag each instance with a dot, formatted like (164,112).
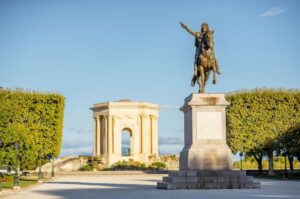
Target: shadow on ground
(105,185)
(91,190)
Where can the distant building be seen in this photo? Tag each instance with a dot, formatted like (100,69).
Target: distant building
(138,119)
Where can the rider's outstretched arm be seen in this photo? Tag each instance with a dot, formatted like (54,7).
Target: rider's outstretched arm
(187,28)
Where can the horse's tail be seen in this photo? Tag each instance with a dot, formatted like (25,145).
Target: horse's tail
(193,81)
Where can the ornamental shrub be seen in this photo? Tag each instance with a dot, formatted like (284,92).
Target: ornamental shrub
(34,120)
(157,166)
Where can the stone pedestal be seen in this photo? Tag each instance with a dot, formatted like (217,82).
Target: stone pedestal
(205,145)
(206,160)
(196,179)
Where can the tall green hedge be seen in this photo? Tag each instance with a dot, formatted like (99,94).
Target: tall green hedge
(258,119)
(35,121)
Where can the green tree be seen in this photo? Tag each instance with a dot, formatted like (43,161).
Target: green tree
(289,144)
(257,118)
(35,121)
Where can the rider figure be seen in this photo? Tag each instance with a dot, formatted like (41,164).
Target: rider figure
(199,37)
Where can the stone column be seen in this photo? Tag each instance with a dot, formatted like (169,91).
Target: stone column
(98,134)
(154,135)
(113,133)
(150,136)
(95,136)
(141,132)
(142,124)
(105,135)
(146,132)
(109,134)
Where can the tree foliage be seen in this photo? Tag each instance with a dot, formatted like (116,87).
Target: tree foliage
(256,119)
(35,121)
(249,163)
(289,144)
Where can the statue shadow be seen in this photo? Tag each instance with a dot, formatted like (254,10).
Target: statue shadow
(100,190)
(137,190)
(104,185)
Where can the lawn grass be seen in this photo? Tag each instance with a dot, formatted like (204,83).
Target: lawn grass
(8,182)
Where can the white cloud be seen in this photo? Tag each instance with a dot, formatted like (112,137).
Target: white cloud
(167,107)
(67,144)
(77,130)
(170,141)
(170,149)
(76,151)
(76,147)
(170,145)
(273,11)
(176,131)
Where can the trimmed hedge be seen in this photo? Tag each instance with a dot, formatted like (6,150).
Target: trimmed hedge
(35,121)
(258,119)
(157,166)
(249,163)
(135,165)
(128,165)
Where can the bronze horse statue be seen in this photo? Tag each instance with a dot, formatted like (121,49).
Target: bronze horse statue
(205,60)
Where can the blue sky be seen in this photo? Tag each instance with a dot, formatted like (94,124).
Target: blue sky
(96,51)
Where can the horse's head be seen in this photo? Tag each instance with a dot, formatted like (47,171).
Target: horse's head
(210,39)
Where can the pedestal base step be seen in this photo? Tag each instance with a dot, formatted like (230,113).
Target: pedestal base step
(208,180)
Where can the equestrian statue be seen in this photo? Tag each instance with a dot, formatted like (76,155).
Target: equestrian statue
(205,60)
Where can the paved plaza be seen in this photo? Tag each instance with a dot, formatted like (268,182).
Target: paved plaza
(144,187)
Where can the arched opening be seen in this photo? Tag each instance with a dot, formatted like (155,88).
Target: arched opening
(126,142)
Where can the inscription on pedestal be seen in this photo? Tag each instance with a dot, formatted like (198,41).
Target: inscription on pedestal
(209,125)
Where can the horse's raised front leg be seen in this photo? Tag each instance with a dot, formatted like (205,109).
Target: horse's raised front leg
(215,79)
(217,67)
(202,90)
